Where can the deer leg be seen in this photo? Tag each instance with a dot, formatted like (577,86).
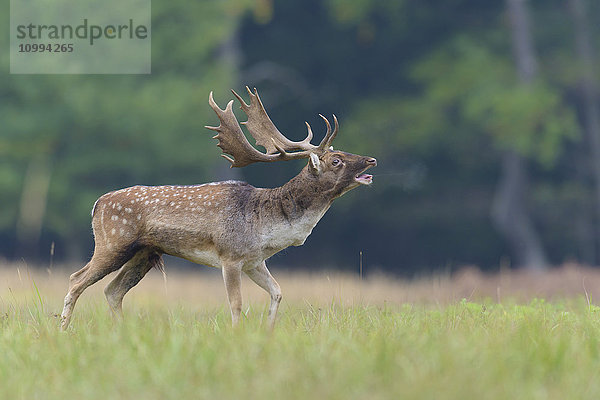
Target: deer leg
(232,275)
(99,266)
(132,272)
(263,278)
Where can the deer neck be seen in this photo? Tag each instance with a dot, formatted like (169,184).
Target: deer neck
(296,208)
(302,195)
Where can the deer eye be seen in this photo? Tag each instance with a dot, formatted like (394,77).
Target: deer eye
(335,162)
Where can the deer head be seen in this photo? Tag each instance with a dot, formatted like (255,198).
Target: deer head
(337,172)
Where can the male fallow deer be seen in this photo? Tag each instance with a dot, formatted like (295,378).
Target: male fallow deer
(229,225)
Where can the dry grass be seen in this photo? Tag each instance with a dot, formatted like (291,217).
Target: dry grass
(205,287)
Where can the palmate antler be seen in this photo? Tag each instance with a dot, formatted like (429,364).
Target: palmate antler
(233,141)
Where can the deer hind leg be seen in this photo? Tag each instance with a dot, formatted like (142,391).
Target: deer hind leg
(232,275)
(263,278)
(101,264)
(129,276)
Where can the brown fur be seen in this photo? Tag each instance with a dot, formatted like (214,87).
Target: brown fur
(230,225)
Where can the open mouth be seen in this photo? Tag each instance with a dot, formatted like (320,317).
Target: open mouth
(364,179)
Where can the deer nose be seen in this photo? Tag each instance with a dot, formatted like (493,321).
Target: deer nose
(371,161)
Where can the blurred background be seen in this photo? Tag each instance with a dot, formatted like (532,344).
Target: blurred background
(483,116)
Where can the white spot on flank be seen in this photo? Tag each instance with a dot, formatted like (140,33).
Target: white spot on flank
(124,221)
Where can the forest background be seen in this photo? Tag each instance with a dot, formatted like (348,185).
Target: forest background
(484,118)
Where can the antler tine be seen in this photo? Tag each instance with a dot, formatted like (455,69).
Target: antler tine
(335,130)
(325,140)
(281,150)
(225,156)
(310,133)
(243,104)
(330,135)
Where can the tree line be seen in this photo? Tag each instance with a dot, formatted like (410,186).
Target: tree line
(483,117)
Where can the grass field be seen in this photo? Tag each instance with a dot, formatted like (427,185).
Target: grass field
(337,338)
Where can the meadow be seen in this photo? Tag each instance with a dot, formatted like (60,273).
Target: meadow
(465,336)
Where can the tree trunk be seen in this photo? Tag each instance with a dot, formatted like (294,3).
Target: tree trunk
(509,212)
(511,216)
(32,208)
(588,87)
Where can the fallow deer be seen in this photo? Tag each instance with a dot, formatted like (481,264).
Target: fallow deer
(229,225)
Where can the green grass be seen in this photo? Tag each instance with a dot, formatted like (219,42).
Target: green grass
(459,351)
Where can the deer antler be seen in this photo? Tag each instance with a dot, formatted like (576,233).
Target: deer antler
(233,141)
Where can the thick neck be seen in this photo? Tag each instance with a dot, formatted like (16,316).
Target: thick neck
(301,194)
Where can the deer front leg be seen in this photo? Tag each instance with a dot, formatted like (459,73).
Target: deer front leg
(232,275)
(263,278)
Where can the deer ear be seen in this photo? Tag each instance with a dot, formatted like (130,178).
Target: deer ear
(314,164)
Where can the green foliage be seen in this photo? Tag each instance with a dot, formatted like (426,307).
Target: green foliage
(534,121)
(430,89)
(466,90)
(104,132)
(10,182)
(365,11)
(427,87)
(479,90)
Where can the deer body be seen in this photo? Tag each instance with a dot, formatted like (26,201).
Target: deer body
(229,225)
(201,222)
